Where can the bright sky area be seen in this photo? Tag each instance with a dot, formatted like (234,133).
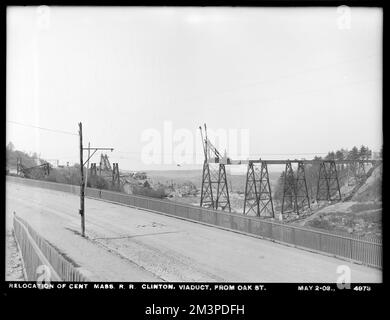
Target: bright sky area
(292,77)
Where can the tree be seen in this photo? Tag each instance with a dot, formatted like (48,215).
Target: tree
(353,154)
(369,153)
(35,158)
(339,155)
(363,152)
(345,153)
(330,156)
(10,146)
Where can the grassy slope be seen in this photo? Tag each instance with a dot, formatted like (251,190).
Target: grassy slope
(360,216)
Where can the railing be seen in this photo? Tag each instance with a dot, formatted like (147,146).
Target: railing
(37,252)
(356,249)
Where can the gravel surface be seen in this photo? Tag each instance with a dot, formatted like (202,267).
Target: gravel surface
(14,267)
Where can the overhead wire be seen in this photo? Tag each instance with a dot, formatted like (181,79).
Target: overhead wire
(42,128)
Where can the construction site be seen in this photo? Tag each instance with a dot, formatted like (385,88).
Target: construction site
(338,184)
(341,216)
(113,175)
(139,195)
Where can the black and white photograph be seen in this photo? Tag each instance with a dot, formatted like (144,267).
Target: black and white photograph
(193,148)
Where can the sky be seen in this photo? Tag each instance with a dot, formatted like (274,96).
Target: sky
(275,83)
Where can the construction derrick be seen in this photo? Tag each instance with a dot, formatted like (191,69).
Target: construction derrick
(334,192)
(214,189)
(105,170)
(322,186)
(289,201)
(258,197)
(208,179)
(93,170)
(328,187)
(222,200)
(265,194)
(251,202)
(115,174)
(104,164)
(303,200)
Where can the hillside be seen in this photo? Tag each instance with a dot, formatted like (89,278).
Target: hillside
(28,160)
(362,215)
(175,176)
(236,182)
(185,185)
(371,190)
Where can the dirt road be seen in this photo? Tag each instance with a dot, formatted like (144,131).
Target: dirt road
(126,244)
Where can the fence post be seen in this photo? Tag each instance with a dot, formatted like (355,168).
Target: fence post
(350,242)
(293,236)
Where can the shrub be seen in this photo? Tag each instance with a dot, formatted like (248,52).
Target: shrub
(357,207)
(97,182)
(149,192)
(56,176)
(320,224)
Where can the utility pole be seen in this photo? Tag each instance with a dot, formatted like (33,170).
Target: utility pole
(82,183)
(86,177)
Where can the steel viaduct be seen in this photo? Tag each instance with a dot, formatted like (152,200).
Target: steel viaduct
(258,195)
